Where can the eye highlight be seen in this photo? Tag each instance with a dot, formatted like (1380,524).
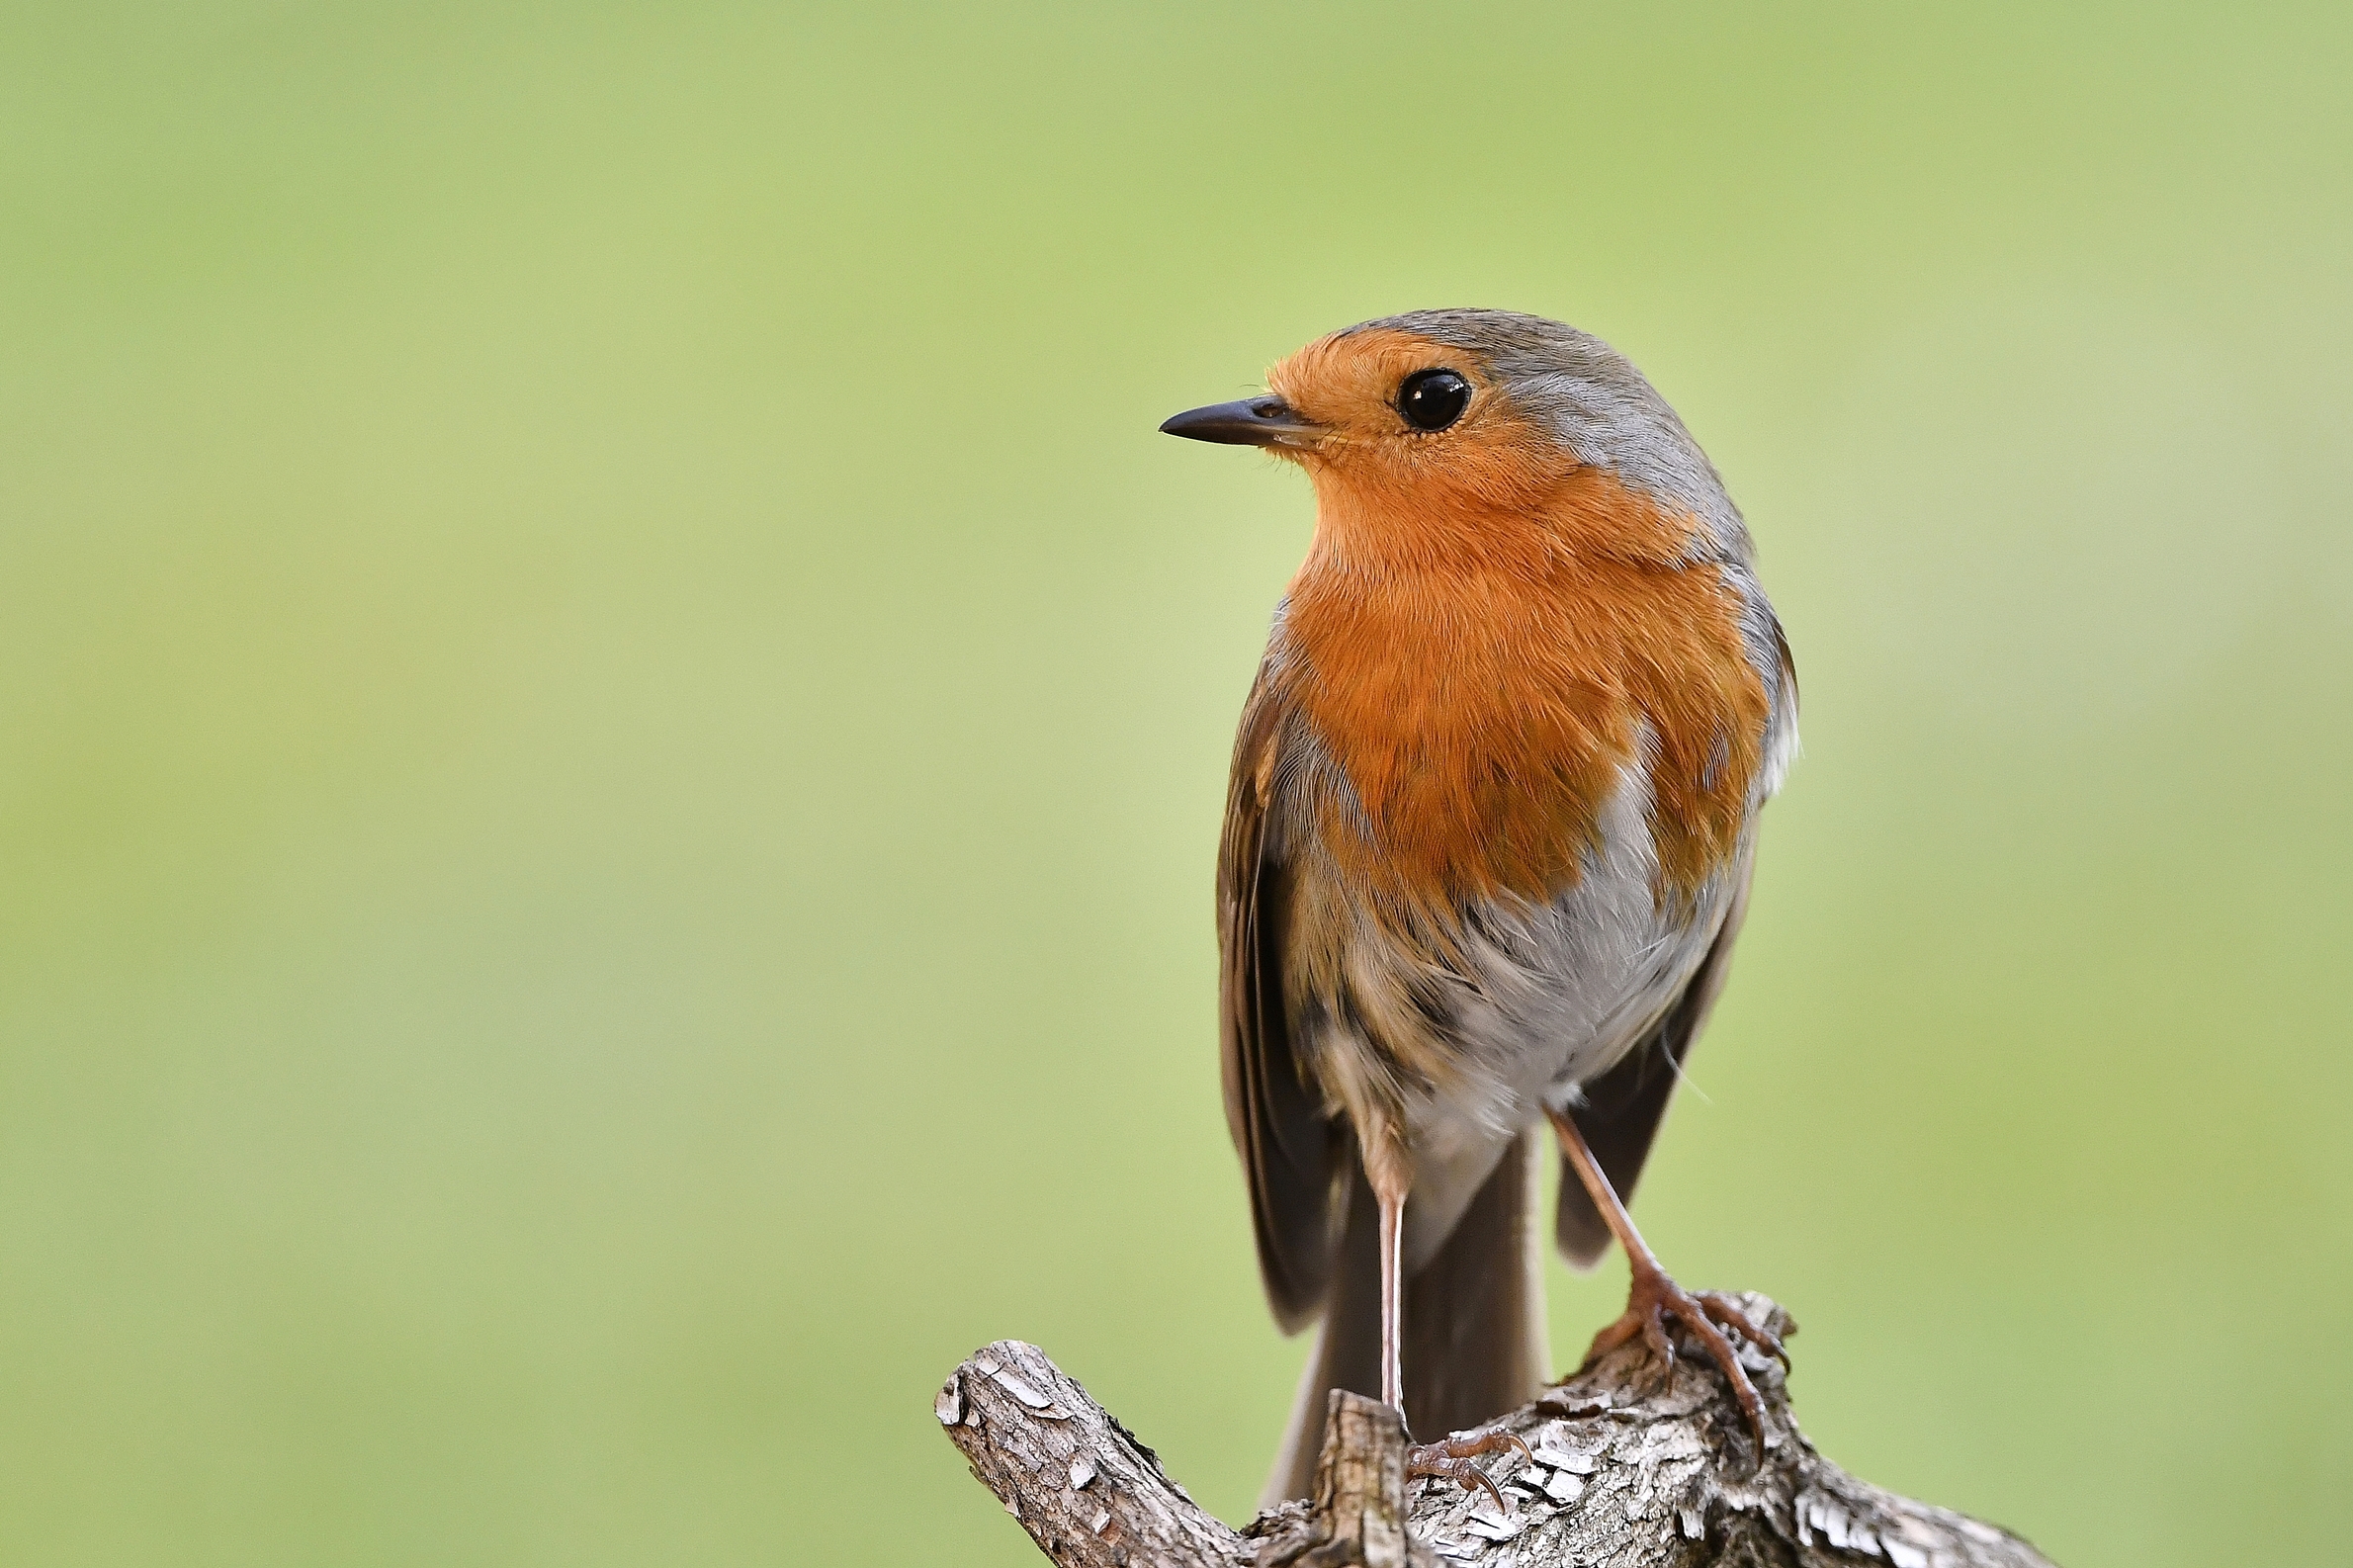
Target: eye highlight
(1433,399)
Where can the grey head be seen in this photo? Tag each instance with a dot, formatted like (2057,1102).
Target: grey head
(1601,408)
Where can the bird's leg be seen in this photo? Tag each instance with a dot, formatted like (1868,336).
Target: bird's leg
(1652,1297)
(1392,1299)
(1451,1458)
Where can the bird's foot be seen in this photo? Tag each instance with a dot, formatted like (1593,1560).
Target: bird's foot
(1654,1297)
(1451,1461)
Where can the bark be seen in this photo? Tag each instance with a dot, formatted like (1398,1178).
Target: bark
(1629,1470)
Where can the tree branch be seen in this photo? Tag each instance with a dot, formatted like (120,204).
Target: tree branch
(1629,1471)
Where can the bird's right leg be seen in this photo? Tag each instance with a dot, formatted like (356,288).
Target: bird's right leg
(1653,1296)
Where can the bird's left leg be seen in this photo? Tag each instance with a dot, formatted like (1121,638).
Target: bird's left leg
(1652,1297)
(1450,1458)
(1390,1194)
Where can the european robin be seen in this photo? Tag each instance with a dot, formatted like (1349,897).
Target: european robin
(1487,845)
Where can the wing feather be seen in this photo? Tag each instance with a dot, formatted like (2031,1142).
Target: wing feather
(1286,1144)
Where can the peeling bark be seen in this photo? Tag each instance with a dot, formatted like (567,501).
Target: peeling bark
(1630,1470)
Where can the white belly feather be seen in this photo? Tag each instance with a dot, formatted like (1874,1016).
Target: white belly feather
(1561,991)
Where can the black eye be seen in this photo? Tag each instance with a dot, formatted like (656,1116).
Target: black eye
(1433,399)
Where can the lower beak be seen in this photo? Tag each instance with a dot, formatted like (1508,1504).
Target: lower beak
(1252,423)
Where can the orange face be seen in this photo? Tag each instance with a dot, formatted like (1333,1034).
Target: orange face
(1491,483)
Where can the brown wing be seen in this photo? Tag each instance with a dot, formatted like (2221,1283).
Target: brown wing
(1623,1106)
(1287,1146)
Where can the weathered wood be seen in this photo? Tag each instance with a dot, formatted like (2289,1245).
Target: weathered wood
(1358,1514)
(1629,1470)
(1087,1491)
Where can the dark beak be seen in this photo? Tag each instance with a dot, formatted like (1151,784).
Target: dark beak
(1253,422)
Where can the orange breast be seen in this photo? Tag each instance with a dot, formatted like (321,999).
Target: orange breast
(1483,681)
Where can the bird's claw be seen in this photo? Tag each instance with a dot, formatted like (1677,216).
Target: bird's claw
(1653,1299)
(1451,1460)
(1725,1311)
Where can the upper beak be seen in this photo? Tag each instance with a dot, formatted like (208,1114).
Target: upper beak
(1264,421)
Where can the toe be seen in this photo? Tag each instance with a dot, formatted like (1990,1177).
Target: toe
(1662,1344)
(1467,1445)
(1436,1460)
(1723,1311)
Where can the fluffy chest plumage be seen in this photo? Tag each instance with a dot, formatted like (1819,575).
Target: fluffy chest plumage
(1516,808)
(1476,724)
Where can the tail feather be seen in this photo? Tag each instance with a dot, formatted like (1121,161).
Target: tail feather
(1474,1321)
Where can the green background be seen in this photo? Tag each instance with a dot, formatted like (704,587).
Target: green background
(612,723)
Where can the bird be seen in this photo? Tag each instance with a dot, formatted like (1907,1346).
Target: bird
(1488,835)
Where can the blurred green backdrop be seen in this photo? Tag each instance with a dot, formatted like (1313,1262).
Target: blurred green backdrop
(614,723)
